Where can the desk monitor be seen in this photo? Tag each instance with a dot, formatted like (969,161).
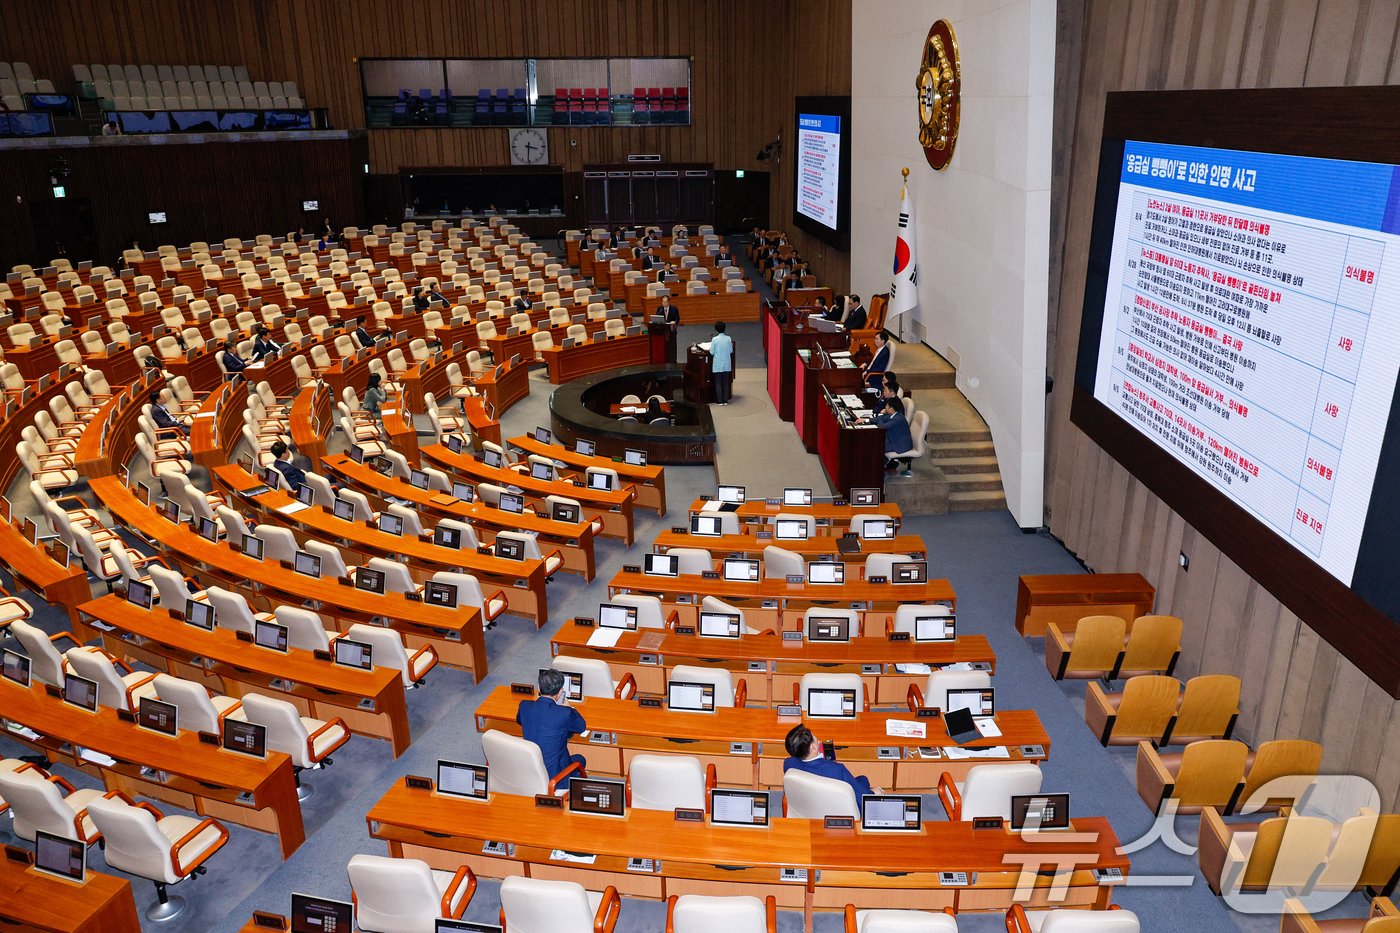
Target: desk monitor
(1040,811)
(60,856)
(826,571)
(344,510)
(493,458)
(464,491)
(418,478)
(14,667)
(891,813)
(442,925)
(865,497)
(791,529)
(270,635)
(371,581)
(454,443)
(30,530)
(690,697)
(357,454)
(598,796)
(139,593)
(878,529)
(158,716)
(613,616)
(831,703)
(742,569)
(721,625)
(80,692)
(573,685)
(708,526)
(440,594)
(306,495)
(321,915)
(246,738)
(792,496)
(661,565)
(564,512)
(252,546)
(510,502)
(979,701)
(602,482)
(584,448)
(270,477)
(634,457)
(909,571)
(935,628)
(738,807)
(514,359)
(960,726)
(828,628)
(208,530)
(542,471)
(199,614)
(510,548)
(542,435)
(447,537)
(349,653)
(391,523)
(459,779)
(308,565)
(733,494)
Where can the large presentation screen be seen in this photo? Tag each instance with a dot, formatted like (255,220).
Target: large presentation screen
(1240,346)
(822,172)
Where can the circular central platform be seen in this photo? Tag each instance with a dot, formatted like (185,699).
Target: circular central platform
(581,409)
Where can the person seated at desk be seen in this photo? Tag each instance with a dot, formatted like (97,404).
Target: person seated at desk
(854,319)
(421,299)
(724,255)
(873,372)
(548,720)
(263,344)
(233,363)
(282,463)
(897,436)
(805,754)
(837,309)
(375,397)
(648,261)
(891,380)
(655,413)
(161,415)
(362,336)
(521,303)
(822,309)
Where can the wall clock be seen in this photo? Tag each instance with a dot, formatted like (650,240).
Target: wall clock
(529,147)
(939,84)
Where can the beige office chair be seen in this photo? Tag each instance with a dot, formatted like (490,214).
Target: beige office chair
(701,913)
(987,790)
(308,742)
(899,921)
(692,561)
(597,677)
(665,782)
(305,631)
(404,895)
(650,611)
(1071,920)
(812,614)
(389,651)
(534,905)
(43,802)
(726,693)
(118,689)
(779,563)
(882,565)
(812,797)
(198,709)
(517,766)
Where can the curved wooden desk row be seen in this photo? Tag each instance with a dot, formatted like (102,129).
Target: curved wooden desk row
(456,634)
(259,793)
(870,870)
(522,581)
(45,904)
(483,411)
(621,729)
(649,482)
(614,508)
(596,356)
(754,542)
(370,702)
(770,666)
(831,519)
(573,540)
(500,393)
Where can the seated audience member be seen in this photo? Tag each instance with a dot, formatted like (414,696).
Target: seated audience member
(549,721)
(233,363)
(805,754)
(724,255)
(282,462)
(521,303)
(375,396)
(362,336)
(263,344)
(892,379)
(161,415)
(897,436)
(655,413)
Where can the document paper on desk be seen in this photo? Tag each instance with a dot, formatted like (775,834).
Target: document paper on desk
(959,754)
(604,637)
(905,729)
(97,758)
(292,508)
(559,855)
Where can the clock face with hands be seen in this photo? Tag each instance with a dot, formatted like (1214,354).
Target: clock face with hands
(529,147)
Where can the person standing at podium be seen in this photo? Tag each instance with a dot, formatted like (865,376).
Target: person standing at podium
(549,721)
(722,364)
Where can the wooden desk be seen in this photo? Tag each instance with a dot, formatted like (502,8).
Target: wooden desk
(35,901)
(456,634)
(1066,598)
(371,702)
(752,545)
(259,793)
(648,481)
(202,370)
(831,519)
(617,410)
(705,309)
(35,361)
(621,729)
(781,341)
(852,457)
(811,375)
(877,870)
(770,666)
(595,357)
(502,347)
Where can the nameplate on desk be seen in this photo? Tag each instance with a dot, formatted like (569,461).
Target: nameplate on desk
(413,597)
(210,738)
(796,578)
(631,568)
(789,711)
(899,636)
(16,854)
(583,621)
(877,580)
(266,921)
(241,635)
(650,700)
(840,503)
(53,690)
(679,530)
(126,715)
(872,668)
(704,498)
(417,782)
(689,815)
(839,822)
(320,655)
(928,712)
(709,574)
(986,822)
(549,801)
(790,638)
(684,630)
(524,690)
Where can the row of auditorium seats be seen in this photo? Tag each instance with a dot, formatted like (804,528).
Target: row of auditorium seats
(20,91)
(181,87)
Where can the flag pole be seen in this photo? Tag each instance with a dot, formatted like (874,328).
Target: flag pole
(903,192)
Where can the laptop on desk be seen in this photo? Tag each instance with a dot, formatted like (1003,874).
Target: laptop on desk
(960,726)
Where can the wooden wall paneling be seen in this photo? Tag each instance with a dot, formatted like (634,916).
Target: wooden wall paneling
(1253,646)
(1228,608)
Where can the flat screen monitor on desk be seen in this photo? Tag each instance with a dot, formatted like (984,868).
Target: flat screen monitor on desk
(344,510)
(690,697)
(634,457)
(246,738)
(252,546)
(454,443)
(493,458)
(573,685)
(797,496)
(418,479)
(357,454)
(208,530)
(791,529)
(270,635)
(742,569)
(15,667)
(199,614)
(511,502)
(708,526)
(371,581)
(306,495)
(935,628)
(564,512)
(891,813)
(542,435)
(731,494)
(865,497)
(436,593)
(824,571)
(442,925)
(321,915)
(447,537)
(828,628)
(510,548)
(720,625)
(391,523)
(831,703)
(738,807)
(80,692)
(158,716)
(357,654)
(307,564)
(661,565)
(60,856)
(909,571)
(542,471)
(459,779)
(614,616)
(1040,811)
(139,594)
(979,701)
(879,529)
(464,491)
(584,448)
(603,482)
(599,797)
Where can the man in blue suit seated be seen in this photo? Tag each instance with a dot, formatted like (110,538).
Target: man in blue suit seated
(549,721)
(874,370)
(898,437)
(282,462)
(805,754)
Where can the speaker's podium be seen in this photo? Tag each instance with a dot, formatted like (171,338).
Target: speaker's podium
(663,340)
(699,382)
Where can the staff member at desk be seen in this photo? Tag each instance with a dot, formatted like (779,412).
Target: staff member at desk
(897,436)
(722,364)
(874,370)
(805,754)
(855,315)
(549,721)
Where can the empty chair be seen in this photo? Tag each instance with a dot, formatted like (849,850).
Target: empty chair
(650,612)
(665,782)
(118,689)
(531,548)
(1153,647)
(900,921)
(534,905)
(199,710)
(404,895)
(691,560)
(852,682)
(813,797)
(1209,773)
(1280,852)
(40,802)
(597,677)
(305,630)
(389,651)
(1275,759)
(517,766)
(1143,710)
(779,563)
(166,850)
(1208,710)
(813,616)
(1067,920)
(1093,649)
(308,742)
(701,913)
(469,592)
(987,790)
(726,694)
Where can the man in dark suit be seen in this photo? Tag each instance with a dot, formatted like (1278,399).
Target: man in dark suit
(521,303)
(875,369)
(162,416)
(855,315)
(233,363)
(805,754)
(282,462)
(362,336)
(648,261)
(724,255)
(549,722)
(898,437)
(263,344)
